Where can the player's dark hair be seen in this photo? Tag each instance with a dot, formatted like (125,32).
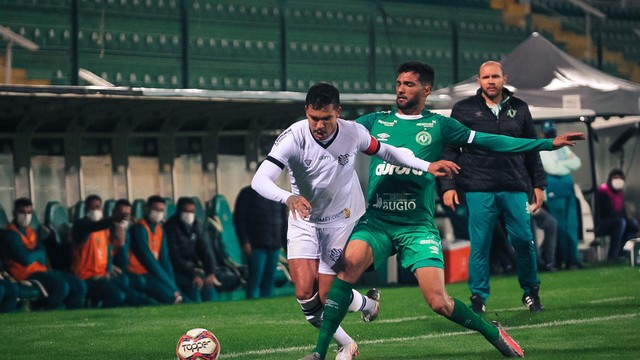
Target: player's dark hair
(322,95)
(122,202)
(425,72)
(154,199)
(22,202)
(185,200)
(89,199)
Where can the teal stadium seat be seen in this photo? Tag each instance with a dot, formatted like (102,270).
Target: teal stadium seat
(220,208)
(58,243)
(108,207)
(169,207)
(4,219)
(78,211)
(137,209)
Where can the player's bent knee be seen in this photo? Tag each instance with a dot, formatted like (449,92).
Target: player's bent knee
(440,304)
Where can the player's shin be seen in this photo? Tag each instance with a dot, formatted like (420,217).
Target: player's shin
(463,315)
(312,309)
(335,310)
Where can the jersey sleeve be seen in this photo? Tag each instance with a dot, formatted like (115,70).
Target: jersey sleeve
(501,143)
(454,133)
(282,149)
(367,120)
(366,143)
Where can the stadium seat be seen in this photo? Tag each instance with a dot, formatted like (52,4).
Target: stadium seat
(108,207)
(58,244)
(78,211)
(220,207)
(4,219)
(137,209)
(169,207)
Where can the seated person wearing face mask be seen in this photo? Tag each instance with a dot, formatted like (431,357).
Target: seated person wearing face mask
(150,269)
(612,218)
(191,255)
(93,240)
(25,259)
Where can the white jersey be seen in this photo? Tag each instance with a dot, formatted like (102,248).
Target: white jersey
(324,173)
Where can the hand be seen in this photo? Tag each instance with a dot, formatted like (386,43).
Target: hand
(450,199)
(178,297)
(212,281)
(538,195)
(198,282)
(246,248)
(443,168)
(116,270)
(567,139)
(118,217)
(299,205)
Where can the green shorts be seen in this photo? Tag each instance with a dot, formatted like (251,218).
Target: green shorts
(416,245)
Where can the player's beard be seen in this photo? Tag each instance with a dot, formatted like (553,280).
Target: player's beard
(410,103)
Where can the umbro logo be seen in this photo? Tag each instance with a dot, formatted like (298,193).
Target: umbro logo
(478,113)
(383,136)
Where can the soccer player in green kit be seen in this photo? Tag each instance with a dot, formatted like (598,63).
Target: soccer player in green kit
(400,215)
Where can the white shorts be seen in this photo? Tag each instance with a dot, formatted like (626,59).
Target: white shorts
(305,241)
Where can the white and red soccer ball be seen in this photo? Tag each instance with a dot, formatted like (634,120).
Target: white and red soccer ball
(198,344)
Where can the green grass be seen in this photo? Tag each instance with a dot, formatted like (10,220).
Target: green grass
(589,314)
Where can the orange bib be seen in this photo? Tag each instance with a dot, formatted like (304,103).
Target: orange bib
(91,259)
(155,243)
(22,272)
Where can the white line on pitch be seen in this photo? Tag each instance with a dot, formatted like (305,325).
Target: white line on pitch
(440,335)
(615,299)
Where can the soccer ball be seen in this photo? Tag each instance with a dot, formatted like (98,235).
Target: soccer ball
(198,344)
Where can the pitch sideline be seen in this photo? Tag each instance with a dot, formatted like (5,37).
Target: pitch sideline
(434,336)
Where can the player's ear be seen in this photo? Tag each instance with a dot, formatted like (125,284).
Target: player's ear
(427,89)
(339,111)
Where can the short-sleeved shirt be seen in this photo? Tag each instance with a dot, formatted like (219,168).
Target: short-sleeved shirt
(324,173)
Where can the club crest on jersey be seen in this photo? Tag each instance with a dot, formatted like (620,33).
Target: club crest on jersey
(335,254)
(512,112)
(307,162)
(343,159)
(347,213)
(423,138)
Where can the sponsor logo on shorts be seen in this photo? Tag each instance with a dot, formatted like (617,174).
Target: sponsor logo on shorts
(347,213)
(429,242)
(323,219)
(434,249)
(335,253)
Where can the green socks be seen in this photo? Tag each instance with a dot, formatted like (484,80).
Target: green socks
(464,316)
(335,310)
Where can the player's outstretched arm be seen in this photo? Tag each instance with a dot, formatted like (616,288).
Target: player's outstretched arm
(443,168)
(567,139)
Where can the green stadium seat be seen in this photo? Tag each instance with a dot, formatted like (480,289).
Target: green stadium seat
(169,207)
(108,207)
(137,209)
(4,219)
(78,211)
(58,245)
(220,208)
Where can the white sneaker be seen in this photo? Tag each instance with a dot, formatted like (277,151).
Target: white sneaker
(348,352)
(373,294)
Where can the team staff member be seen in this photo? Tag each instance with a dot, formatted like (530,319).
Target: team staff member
(497,183)
(150,269)
(400,216)
(92,246)
(25,259)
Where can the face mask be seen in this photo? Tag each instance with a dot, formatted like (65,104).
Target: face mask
(23,219)
(156,216)
(95,215)
(188,218)
(124,224)
(617,184)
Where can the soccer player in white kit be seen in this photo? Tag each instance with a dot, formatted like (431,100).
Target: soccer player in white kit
(326,199)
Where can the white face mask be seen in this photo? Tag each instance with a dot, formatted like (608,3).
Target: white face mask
(156,216)
(124,224)
(617,184)
(24,219)
(188,218)
(95,215)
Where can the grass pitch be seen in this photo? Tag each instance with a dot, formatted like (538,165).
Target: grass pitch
(589,314)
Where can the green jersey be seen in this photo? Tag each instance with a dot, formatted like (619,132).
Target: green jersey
(408,196)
